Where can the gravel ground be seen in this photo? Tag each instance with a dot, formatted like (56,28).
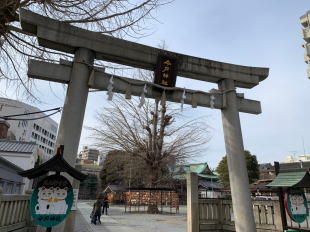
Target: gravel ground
(119,221)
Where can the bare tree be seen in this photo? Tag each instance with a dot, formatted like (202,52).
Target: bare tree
(114,17)
(155,133)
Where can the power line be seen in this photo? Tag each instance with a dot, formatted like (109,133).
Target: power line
(8,117)
(37,112)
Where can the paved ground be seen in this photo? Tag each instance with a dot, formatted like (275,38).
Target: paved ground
(119,221)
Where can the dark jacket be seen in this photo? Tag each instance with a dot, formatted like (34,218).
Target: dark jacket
(97,208)
(106,203)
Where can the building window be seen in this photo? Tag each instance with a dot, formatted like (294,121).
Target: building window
(17,189)
(9,188)
(203,194)
(2,184)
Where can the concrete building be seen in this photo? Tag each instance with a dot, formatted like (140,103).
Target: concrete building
(22,154)
(90,154)
(305,22)
(100,160)
(10,181)
(42,131)
(301,158)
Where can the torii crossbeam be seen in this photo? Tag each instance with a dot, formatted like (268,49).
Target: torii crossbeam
(87,46)
(100,80)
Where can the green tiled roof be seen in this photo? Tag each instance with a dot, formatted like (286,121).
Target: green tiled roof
(179,177)
(183,177)
(200,168)
(287,179)
(208,176)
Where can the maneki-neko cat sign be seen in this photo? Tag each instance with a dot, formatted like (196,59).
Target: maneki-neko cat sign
(51,201)
(52,198)
(296,205)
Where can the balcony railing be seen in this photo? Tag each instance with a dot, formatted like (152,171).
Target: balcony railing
(304,20)
(306,34)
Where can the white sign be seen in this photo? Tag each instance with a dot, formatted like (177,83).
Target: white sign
(297,204)
(75,199)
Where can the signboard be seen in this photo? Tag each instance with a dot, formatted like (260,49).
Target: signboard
(75,199)
(166,71)
(51,201)
(296,205)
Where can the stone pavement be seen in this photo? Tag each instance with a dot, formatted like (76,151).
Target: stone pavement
(119,221)
(81,224)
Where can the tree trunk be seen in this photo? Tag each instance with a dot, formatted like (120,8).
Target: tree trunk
(152,206)
(153,209)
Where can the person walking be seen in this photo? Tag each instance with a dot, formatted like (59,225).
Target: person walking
(96,213)
(105,206)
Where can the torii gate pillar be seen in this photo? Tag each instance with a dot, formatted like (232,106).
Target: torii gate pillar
(239,181)
(72,117)
(75,103)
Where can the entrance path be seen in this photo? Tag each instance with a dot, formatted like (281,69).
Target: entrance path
(119,221)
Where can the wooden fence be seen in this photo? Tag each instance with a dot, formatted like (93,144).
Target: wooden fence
(14,213)
(217,215)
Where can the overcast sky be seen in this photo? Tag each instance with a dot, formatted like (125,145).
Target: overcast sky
(264,33)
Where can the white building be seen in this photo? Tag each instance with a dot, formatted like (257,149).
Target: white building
(21,154)
(42,131)
(100,160)
(301,158)
(90,154)
(305,22)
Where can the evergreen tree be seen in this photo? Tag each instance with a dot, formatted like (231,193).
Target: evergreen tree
(252,167)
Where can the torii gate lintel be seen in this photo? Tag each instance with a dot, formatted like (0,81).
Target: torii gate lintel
(60,36)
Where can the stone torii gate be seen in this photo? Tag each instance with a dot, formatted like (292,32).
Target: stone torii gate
(80,75)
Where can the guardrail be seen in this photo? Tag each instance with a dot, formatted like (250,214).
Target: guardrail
(14,213)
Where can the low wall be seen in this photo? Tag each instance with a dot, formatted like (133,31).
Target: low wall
(14,214)
(217,215)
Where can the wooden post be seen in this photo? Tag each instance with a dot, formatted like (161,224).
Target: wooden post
(281,199)
(161,201)
(278,217)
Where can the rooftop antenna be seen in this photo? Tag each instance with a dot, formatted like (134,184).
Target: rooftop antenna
(294,154)
(303,145)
